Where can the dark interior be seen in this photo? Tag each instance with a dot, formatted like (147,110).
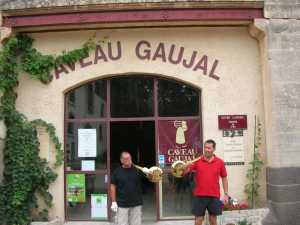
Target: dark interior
(138,138)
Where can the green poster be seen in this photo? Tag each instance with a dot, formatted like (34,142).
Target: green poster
(76,187)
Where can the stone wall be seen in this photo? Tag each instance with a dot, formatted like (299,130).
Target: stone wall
(281,52)
(282,9)
(253,216)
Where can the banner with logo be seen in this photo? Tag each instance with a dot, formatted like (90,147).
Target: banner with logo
(179,139)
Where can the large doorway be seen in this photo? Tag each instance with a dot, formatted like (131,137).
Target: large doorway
(157,120)
(138,138)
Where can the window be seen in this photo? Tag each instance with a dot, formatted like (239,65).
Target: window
(177,99)
(132,97)
(87,101)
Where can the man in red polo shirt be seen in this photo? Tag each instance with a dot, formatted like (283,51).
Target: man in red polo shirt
(208,170)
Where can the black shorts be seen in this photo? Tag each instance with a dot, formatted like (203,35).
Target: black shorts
(201,203)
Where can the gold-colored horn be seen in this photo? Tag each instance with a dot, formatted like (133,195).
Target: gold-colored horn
(178,167)
(154,175)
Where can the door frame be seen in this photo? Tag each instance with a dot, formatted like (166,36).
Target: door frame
(108,119)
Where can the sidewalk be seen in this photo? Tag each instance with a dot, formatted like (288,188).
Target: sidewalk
(168,222)
(254,216)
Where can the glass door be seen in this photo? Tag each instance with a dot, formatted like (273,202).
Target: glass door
(179,138)
(157,120)
(86,162)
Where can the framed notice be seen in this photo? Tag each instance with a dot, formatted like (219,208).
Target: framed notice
(99,206)
(76,188)
(88,165)
(234,149)
(87,143)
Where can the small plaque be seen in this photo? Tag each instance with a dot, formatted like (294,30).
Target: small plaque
(233,133)
(232,122)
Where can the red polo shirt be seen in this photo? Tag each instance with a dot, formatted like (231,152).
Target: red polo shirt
(207,176)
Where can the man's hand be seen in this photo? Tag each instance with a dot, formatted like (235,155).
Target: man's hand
(226,198)
(114,206)
(146,170)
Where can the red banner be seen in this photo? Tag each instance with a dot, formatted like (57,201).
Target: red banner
(179,139)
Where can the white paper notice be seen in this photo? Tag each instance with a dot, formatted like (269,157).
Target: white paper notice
(88,165)
(99,206)
(87,143)
(234,149)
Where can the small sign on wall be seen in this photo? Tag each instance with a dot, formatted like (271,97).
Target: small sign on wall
(161,161)
(232,122)
(232,133)
(234,150)
(88,165)
(87,143)
(98,206)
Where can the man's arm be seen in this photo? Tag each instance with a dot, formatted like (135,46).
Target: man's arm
(114,205)
(113,192)
(225,188)
(187,168)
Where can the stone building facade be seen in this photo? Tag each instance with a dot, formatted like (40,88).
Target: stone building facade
(273,51)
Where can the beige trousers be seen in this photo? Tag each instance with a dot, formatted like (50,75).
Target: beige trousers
(129,216)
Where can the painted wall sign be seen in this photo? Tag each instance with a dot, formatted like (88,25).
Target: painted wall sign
(232,122)
(146,51)
(179,139)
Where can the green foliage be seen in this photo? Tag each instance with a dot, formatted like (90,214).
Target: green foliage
(26,175)
(51,130)
(37,65)
(253,173)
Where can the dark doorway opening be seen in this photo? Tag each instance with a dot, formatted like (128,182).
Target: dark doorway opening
(138,138)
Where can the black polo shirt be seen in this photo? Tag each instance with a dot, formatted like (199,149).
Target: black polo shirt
(128,182)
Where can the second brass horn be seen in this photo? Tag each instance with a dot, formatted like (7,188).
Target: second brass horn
(155,173)
(178,167)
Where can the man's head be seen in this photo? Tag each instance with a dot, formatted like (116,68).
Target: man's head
(209,148)
(125,159)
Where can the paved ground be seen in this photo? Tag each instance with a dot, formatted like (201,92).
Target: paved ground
(172,222)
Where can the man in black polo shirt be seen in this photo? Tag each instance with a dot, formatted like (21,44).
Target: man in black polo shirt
(126,192)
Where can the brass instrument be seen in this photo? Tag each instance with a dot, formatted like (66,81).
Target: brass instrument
(154,175)
(178,167)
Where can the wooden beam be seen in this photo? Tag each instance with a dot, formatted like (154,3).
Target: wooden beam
(162,15)
(222,4)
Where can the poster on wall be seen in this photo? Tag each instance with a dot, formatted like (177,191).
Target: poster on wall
(234,149)
(179,140)
(99,206)
(87,143)
(88,165)
(76,188)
